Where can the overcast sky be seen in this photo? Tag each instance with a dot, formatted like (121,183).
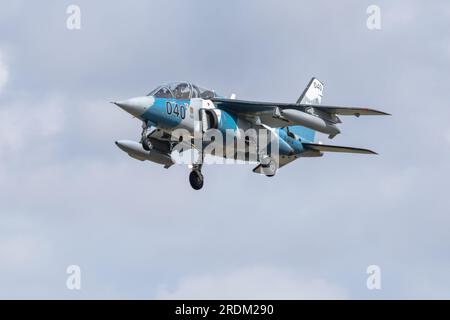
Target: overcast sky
(69,196)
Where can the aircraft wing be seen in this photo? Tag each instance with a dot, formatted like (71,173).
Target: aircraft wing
(250,107)
(350,111)
(266,110)
(244,106)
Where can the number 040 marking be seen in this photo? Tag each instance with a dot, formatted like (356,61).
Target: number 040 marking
(178,110)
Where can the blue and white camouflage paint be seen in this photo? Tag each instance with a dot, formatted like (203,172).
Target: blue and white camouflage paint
(241,125)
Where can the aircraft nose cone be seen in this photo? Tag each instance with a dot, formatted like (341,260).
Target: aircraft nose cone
(136,106)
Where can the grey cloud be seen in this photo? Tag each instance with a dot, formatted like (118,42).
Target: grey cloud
(255,282)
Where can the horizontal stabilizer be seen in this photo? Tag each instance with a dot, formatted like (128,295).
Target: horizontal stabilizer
(328,148)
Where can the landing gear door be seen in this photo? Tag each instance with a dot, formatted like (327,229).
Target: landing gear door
(195,114)
(205,119)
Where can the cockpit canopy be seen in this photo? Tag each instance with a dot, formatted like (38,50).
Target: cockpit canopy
(182,90)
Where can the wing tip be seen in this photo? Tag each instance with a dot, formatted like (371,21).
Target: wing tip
(377,112)
(382,113)
(365,151)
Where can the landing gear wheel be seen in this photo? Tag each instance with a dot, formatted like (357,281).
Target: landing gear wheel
(269,167)
(196,179)
(146,144)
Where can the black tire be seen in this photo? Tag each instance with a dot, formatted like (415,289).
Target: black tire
(146,144)
(270,169)
(196,179)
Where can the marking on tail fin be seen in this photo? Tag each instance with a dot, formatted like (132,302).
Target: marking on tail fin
(312,94)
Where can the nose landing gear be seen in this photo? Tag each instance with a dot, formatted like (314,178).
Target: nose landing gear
(147,131)
(196,179)
(146,144)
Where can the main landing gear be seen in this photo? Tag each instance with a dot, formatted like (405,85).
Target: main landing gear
(196,178)
(269,166)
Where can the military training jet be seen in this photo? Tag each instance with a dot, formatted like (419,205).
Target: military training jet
(238,125)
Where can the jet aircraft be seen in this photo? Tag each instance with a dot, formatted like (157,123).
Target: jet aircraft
(195,110)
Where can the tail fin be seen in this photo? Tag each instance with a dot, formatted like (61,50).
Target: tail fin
(311,95)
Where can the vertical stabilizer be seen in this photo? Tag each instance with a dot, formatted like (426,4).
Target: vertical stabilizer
(312,95)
